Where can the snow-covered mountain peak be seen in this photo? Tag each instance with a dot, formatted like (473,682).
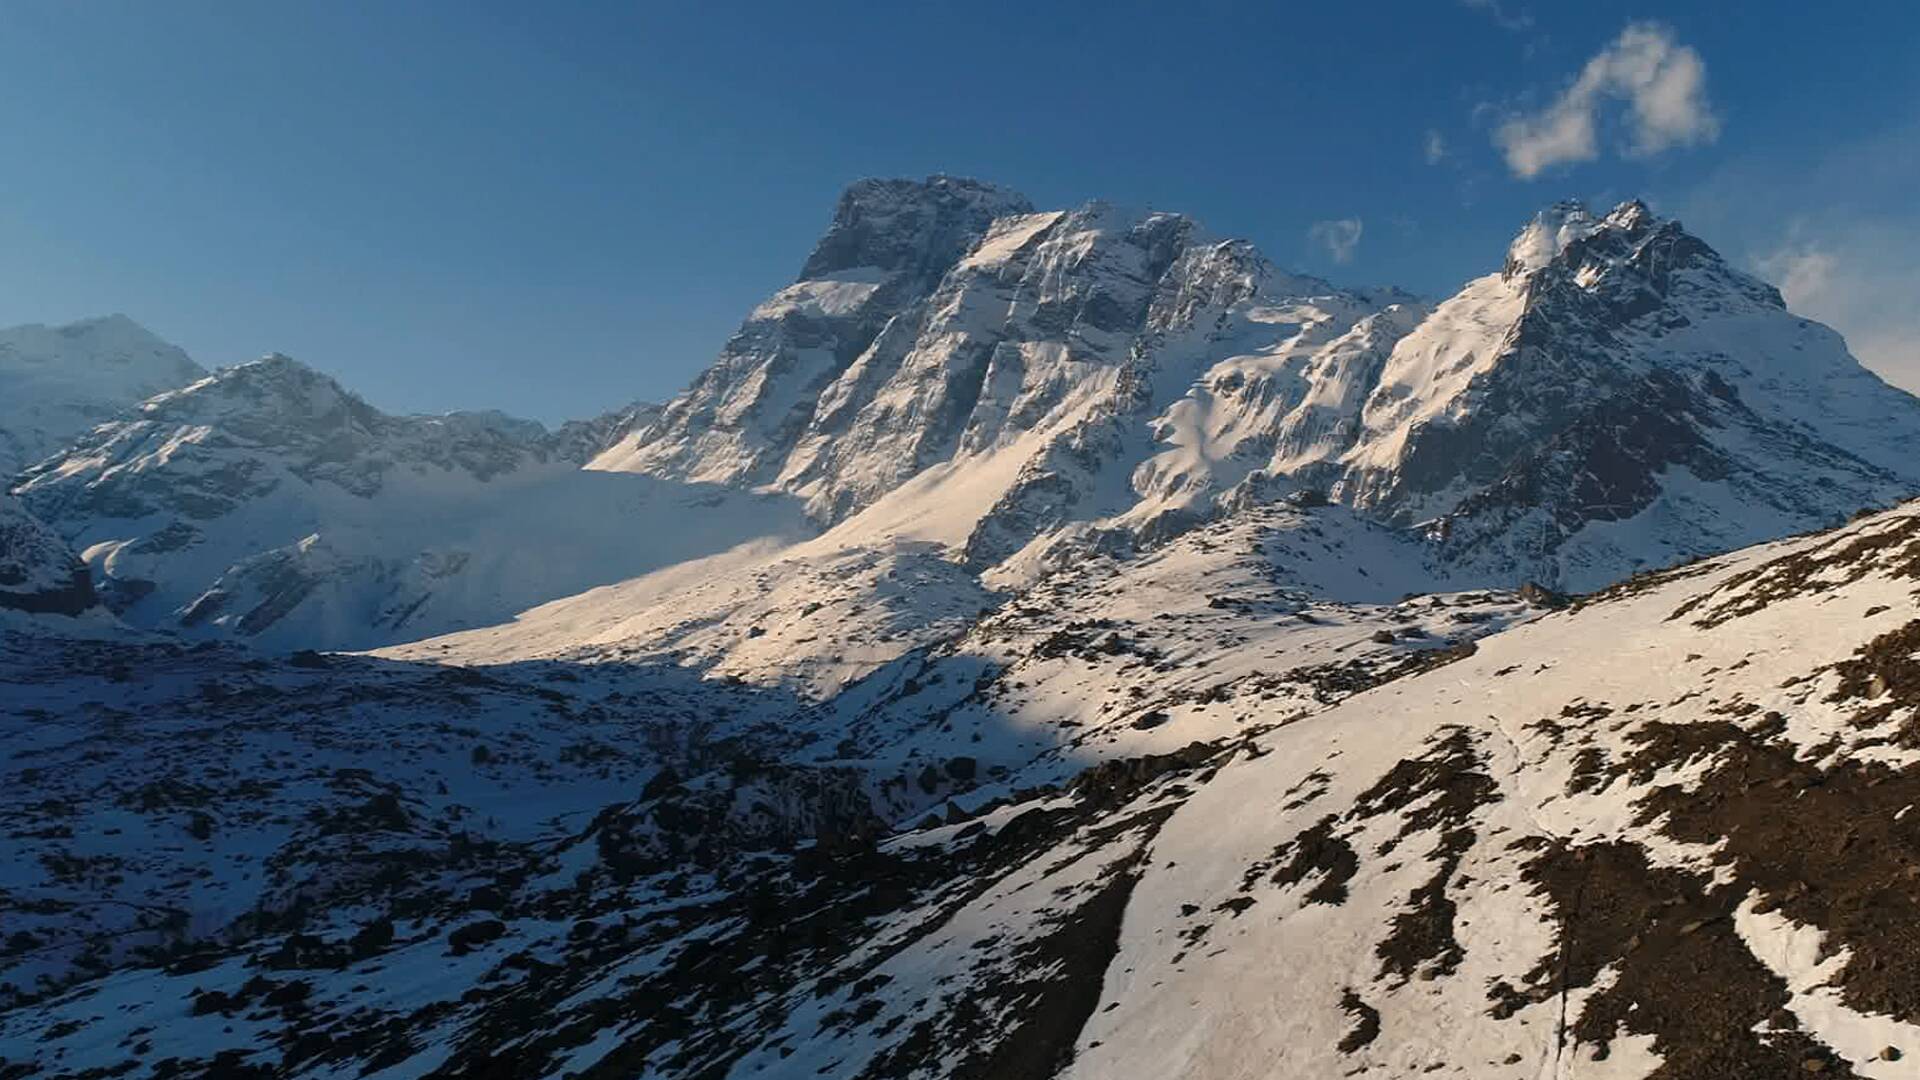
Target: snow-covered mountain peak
(1620,396)
(1101,368)
(1547,235)
(268,501)
(58,381)
(105,342)
(1630,258)
(275,389)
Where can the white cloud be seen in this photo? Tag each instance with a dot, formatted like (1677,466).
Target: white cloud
(1436,147)
(1804,274)
(1663,83)
(1341,237)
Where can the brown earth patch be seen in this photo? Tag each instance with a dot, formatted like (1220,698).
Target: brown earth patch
(1439,791)
(1681,973)
(1836,848)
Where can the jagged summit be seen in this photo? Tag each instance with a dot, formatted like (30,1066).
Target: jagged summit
(914,227)
(1035,336)
(263,396)
(1630,248)
(1547,235)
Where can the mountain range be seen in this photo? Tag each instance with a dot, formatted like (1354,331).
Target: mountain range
(1043,643)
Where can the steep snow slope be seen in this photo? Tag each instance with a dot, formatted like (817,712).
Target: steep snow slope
(58,381)
(267,502)
(811,617)
(347,780)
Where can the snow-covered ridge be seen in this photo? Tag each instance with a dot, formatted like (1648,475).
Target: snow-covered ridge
(267,501)
(1013,375)
(1620,397)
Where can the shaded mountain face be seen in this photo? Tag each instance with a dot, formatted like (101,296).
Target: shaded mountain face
(39,574)
(266,501)
(1615,397)
(58,381)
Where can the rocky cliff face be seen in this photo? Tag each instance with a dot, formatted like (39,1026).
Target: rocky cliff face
(1028,356)
(889,243)
(39,574)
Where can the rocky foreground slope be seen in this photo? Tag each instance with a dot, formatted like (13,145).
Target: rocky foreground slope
(1665,830)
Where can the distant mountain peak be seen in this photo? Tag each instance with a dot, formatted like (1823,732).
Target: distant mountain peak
(58,381)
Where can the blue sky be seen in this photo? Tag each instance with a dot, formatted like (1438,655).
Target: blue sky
(555,208)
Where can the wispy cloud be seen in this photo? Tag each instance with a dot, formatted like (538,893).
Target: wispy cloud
(1834,226)
(1845,276)
(1662,83)
(1515,19)
(1341,237)
(1804,273)
(1436,147)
